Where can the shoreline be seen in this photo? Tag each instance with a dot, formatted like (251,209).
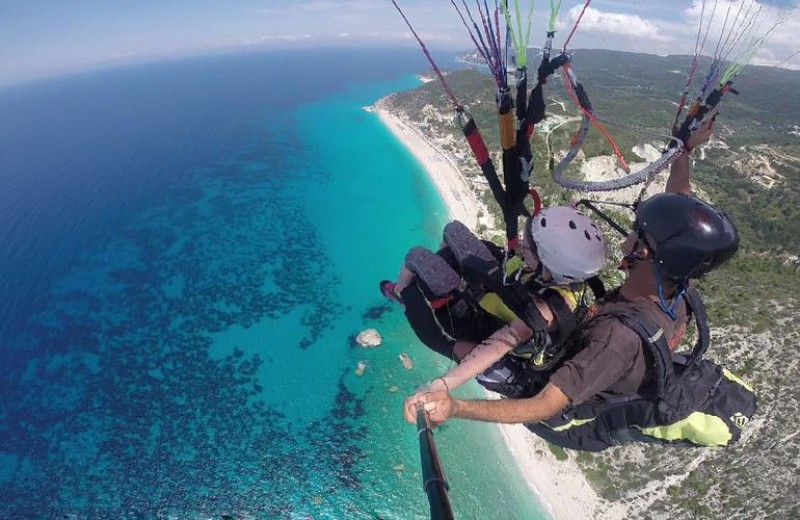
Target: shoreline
(561,487)
(448,179)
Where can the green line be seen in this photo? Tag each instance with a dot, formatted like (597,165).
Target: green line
(522,49)
(555,7)
(520,44)
(528,30)
(509,27)
(732,72)
(736,68)
(519,26)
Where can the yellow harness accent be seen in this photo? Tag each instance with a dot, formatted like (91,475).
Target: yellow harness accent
(733,377)
(700,428)
(492,303)
(574,423)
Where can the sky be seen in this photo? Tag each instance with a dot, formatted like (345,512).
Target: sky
(40,38)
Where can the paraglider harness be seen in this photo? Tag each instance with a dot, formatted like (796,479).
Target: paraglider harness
(452,287)
(695,401)
(473,269)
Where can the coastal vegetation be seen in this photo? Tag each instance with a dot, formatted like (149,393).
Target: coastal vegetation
(751,170)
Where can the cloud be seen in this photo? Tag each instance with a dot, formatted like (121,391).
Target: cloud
(621,25)
(336,5)
(369,21)
(675,31)
(289,37)
(324,6)
(256,41)
(768,29)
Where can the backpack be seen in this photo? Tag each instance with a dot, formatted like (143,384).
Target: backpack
(696,402)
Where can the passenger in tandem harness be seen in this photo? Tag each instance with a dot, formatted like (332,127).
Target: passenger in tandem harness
(462,304)
(621,378)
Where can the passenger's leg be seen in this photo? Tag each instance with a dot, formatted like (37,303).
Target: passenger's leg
(422,320)
(404,279)
(389,291)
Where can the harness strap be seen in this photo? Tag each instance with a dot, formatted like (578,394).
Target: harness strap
(696,306)
(515,295)
(567,322)
(597,286)
(654,338)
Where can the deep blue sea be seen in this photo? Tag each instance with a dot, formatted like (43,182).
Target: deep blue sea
(187,250)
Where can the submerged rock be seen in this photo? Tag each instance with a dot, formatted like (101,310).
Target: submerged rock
(360,368)
(406,359)
(369,338)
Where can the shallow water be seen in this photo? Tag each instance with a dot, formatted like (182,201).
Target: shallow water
(188,251)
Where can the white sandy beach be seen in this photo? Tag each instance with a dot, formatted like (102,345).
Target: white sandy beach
(447,178)
(560,485)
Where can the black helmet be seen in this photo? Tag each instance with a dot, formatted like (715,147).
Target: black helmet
(689,237)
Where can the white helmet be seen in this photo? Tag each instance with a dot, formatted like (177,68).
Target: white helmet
(567,243)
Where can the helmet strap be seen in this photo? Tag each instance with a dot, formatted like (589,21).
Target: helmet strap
(663,303)
(628,260)
(537,273)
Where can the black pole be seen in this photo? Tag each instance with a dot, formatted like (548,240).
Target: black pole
(434,481)
(597,211)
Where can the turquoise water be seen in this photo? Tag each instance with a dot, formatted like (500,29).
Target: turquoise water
(195,245)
